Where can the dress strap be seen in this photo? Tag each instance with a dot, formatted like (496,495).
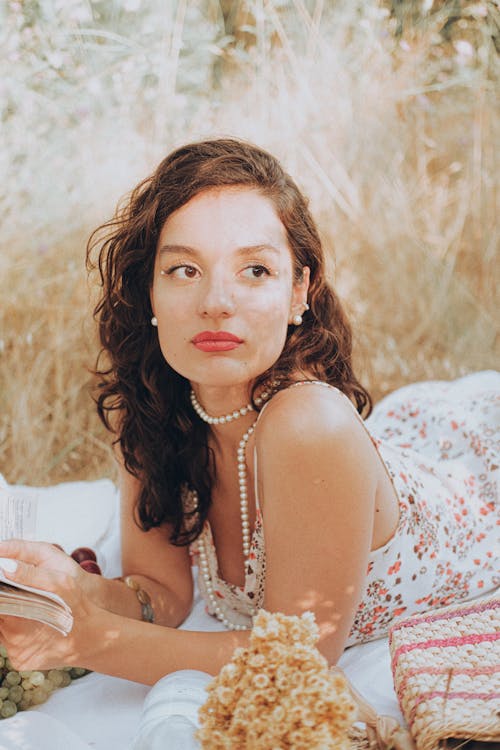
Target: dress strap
(255,469)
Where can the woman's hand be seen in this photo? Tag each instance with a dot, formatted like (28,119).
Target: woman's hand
(30,644)
(40,554)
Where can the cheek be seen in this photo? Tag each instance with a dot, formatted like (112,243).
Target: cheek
(174,326)
(172,334)
(272,302)
(173,348)
(270,329)
(173,308)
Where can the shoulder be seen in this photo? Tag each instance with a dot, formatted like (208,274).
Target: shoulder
(311,433)
(309,413)
(310,442)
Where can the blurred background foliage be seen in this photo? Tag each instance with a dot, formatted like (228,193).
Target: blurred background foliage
(385,111)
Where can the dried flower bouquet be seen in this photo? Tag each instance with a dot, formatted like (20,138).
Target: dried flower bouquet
(278,693)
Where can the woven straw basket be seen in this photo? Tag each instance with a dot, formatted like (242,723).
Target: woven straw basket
(446,669)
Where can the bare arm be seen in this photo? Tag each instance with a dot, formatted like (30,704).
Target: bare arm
(318,474)
(159,567)
(318,477)
(145,653)
(101,640)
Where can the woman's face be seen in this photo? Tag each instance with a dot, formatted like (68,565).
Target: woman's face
(223,289)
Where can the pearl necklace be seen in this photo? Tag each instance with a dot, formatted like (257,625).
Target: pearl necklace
(245,529)
(218,420)
(245,523)
(221,612)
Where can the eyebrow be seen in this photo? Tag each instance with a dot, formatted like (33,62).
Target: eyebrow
(246,250)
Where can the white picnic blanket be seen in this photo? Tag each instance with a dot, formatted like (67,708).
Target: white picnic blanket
(99,712)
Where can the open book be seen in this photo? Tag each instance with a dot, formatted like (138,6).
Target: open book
(33,604)
(17,520)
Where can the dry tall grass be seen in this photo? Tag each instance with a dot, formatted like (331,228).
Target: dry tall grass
(392,137)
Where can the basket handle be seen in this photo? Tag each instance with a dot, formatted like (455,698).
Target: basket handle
(383,732)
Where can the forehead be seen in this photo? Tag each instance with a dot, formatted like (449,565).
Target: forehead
(230,213)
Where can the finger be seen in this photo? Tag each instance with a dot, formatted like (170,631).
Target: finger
(31,552)
(8,564)
(30,575)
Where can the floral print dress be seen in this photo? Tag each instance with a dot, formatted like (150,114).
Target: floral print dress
(440,443)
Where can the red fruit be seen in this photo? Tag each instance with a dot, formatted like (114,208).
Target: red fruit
(83,553)
(90,566)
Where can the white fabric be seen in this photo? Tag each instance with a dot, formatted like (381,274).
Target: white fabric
(99,712)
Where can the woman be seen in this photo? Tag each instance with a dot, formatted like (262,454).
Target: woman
(229,387)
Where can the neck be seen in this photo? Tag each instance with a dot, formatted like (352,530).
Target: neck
(224,439)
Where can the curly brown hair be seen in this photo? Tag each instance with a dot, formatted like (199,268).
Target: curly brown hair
(162,440)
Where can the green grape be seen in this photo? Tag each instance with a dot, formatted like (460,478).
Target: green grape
(39,695)
(66,679)
(16,693)
(77,672)
(55,677)
(20,689)
(12,678)
(37,678)
(8,709)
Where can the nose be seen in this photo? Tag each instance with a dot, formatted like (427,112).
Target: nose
(216,298)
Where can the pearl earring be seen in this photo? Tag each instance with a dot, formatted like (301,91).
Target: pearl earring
(297,320)
(154,321)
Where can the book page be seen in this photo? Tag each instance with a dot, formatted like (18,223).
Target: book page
(17,513)
(24,587)
(18,508)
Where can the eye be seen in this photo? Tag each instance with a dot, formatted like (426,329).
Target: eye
(255,271)
(181,271)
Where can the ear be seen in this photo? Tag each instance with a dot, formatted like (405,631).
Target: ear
(299,294)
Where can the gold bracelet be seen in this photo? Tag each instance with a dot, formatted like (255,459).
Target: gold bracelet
(147,612)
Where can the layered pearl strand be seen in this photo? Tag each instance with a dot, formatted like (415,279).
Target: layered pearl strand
(245,523)
(227,417)
(222,613)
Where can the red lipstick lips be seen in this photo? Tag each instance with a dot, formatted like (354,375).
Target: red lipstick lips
(216,341)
